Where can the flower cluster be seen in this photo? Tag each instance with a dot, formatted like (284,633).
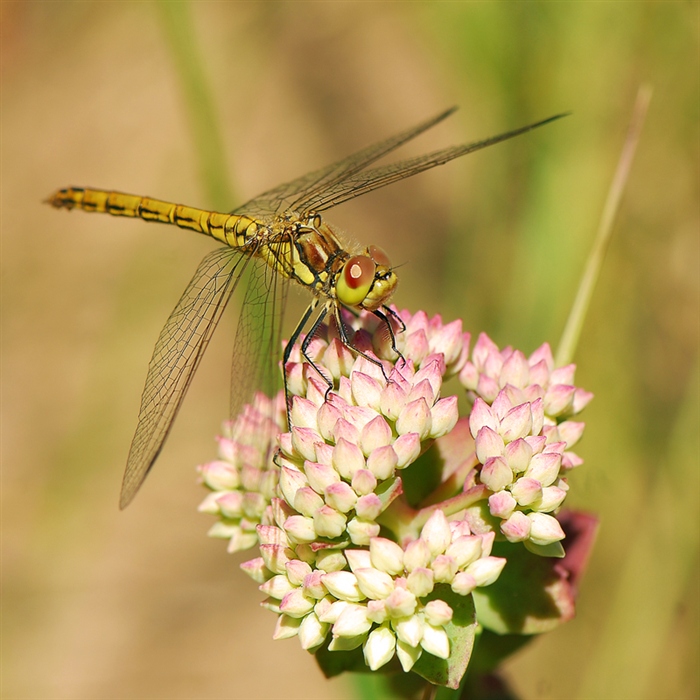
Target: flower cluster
(342,552)
(521,424)
(244,479)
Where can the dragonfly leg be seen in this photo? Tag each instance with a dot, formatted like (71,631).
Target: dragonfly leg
(345,340)
(390,313)
(305,346)
(288,351)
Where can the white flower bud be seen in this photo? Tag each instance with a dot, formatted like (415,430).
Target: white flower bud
(379,647)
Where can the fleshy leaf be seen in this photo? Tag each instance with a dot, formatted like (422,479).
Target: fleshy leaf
(532,595)
(461,631)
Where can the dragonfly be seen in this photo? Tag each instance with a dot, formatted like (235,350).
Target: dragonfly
(275,239)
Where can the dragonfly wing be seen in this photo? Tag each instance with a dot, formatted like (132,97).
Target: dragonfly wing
(258,344)
(299,194)
(176,357)
(369,180)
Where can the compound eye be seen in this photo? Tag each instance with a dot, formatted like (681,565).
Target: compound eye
(378,255)
(355,280)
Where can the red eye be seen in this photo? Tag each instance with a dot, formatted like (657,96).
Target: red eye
(379,256)
(355,280)
(358,271)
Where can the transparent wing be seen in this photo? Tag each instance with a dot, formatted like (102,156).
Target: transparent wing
(299,194)
(176,357)
(360,183)
(258,344)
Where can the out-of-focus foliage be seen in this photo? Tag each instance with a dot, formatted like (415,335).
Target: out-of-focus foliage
(101,604)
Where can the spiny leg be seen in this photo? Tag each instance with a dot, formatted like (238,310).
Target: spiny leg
(385,318)
(288,351)
(345,340)
(305,346)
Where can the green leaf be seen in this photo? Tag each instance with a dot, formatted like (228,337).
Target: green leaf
(461,632)
(532,595)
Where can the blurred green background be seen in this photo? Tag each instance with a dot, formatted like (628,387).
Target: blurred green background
(140,604)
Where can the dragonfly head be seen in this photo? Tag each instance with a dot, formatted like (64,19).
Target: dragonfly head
(366,281)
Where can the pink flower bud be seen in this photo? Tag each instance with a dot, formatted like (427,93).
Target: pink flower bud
(407,448)
(469,376)
(581,400)
(340,496)
(300,529)
(277,587)
(526,491)
(487,388)
(488,444)
(352,622)
(417,347)
(376,611)
(501,504)
(481,416)
(400,603)
(328,522)
(559,400)
(382,462)
(517,527)
(518,455)
(496,474)
(297,571)
(386,555)
(347,458)
(303,440)
(369,507)
(313,585)
(286,627)
(275,557)
(304,413)
(346,431)
(392,400)
(486,570)
(307,501)
(552,497)
(438,613)
(464,550)
(517,423)
(328,416)
(544,467)
(364,482)
(320,476)
(444,415)
(362,531)
(415,418)
(545,529)
(366,390)
(343,585)
(515,371)
(330,560)
(417,555)
(374,584)
(312,632)
(256,569)
(358,559)
(420,582)
(219,475)
(376,433)
(436,533)
(444,568)
(291,480)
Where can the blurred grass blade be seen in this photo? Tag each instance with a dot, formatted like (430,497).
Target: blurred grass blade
(209,146)
(574,324)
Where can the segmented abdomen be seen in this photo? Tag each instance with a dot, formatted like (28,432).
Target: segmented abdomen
(231,229)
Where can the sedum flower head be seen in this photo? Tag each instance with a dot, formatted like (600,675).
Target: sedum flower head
(344,558)
(243,480)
